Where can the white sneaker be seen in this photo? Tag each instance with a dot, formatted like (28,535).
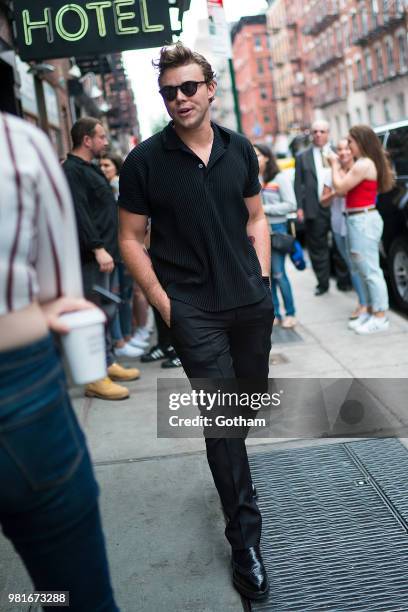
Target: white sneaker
(128,351)
(144,332)
(374,325)
(359,321)
(138,342)
(139,339)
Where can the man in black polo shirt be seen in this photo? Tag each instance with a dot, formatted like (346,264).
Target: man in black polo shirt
(209,269)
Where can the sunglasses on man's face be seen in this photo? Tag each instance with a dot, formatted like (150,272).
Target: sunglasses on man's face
(188,88)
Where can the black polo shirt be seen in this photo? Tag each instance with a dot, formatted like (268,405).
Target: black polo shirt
(199,246)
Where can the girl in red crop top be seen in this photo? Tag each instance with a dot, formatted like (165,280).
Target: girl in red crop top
(363,195)
(371,174)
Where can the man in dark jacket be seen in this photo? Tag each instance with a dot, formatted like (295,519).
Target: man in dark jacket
(96,213)
(311,171)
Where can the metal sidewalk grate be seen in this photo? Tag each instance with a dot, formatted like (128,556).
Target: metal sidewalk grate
(330,540)
(285,336)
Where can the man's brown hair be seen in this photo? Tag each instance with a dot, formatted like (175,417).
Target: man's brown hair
(178,55)
(83,127)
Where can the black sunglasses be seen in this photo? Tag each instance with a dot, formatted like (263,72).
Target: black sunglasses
(188,88)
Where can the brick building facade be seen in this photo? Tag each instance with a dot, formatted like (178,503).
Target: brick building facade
(353,61)
(253,73)
(292,90)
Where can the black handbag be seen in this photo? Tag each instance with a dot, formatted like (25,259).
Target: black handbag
(284,243)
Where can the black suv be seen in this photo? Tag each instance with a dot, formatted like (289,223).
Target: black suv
(393,207)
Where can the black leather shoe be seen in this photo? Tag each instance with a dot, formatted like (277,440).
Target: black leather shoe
(321,290)
(172,362)
(249,574)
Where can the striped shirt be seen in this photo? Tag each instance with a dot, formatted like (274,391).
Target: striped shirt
(39,258)
(199,246)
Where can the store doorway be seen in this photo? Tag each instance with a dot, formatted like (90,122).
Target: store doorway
(8,101)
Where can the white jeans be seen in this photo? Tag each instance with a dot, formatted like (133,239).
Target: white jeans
(364,233)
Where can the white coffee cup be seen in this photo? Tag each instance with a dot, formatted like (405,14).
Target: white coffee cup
(84,344)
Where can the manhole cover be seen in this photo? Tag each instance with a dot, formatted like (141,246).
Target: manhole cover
(334,534)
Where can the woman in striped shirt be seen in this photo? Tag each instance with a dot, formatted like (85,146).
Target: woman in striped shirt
(48,499)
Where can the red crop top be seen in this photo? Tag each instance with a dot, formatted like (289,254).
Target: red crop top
(363,195)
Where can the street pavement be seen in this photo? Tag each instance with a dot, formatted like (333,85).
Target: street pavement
(162,518)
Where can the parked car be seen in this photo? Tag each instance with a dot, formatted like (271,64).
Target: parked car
(393,207)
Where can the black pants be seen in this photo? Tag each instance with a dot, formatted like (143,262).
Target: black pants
(91,275)
(229,344)
(317,231)
(163,333)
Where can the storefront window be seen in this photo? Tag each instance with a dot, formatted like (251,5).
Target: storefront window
(27,90)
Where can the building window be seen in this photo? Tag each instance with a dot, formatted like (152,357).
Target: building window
(387,110)
(263,93)
(364,21)
(354,26)
(343,83)
(270,63)
(369,68)
(260,66)
(359,115)
(350,78)
(374,12)
(359,68)
(371,114)
(390,58)
(380,65)
(402,52)
(348,121)
(266,118)
(346,34)
(258,43)
(401,105)
(338,127)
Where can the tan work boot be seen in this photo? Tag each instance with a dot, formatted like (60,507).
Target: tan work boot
(118,372)
(106,389)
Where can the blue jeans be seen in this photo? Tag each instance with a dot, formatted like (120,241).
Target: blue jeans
(48,496)
(341,242)
(364,233)
(279,278)
(121,325)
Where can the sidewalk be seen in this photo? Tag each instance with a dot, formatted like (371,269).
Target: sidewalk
(162,517)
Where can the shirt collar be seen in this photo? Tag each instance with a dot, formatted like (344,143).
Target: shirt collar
(172,141)
(77,159)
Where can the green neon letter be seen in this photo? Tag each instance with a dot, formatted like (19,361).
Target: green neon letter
(146,27)
(121,17)
(83,29)
(99,7)
(34,25)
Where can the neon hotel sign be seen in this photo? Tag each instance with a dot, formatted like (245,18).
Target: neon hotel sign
(54,28)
